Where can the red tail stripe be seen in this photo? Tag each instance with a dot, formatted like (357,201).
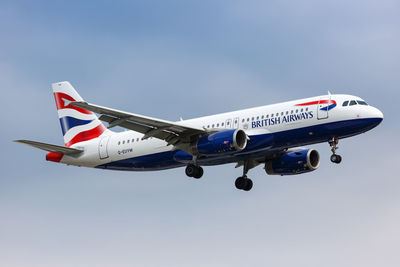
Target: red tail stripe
(317,102)
(60,103)
(87,135)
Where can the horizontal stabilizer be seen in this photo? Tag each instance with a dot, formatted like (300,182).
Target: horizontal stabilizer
(51,148)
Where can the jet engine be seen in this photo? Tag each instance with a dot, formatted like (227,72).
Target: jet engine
(294,162)
(228,141)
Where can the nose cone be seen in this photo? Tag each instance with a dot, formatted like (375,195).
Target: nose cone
(375,116)
(378,114)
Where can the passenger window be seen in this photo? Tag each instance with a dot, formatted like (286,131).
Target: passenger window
(208,126)
(252,118)
(272,115)
(123,142)
(222,124)
(242,121)
(267,116)
(352,103)
(213,125)
(287,112)
(301,110)
(133,140)
(345,103)
(291,112)
(258,117)
(306,109)
(262,117)
(217,124)
(277,114)
(128,141)
(248,119)
(297,110)
(137,139)
(119,142)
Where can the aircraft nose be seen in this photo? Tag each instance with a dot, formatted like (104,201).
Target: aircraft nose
(375,113)
(376,116)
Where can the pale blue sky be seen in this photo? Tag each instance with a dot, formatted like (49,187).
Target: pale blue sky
(178,58)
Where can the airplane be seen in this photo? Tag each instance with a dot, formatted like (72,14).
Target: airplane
(272,135)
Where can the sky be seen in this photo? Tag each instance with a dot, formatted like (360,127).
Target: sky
(172,59)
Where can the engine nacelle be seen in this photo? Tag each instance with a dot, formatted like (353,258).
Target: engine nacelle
(295,162)
(228,141)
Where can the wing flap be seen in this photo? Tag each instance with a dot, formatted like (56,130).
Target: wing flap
(51,148)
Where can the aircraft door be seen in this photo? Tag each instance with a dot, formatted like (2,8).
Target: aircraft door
(322,108)
(103,144)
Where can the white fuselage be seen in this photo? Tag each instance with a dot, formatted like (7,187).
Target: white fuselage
(308,119)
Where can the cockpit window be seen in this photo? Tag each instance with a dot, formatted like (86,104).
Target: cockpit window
(353,102)
(345,103)
(362,102)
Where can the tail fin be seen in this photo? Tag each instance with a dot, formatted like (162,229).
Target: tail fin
(77,124)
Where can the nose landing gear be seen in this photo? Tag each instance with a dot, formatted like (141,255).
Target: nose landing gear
(335,158)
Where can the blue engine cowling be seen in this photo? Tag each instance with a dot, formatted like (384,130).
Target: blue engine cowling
(295,162)
(221,142)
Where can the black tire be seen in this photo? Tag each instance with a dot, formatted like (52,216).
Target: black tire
(240,183)
(334,158)
(198,173)
(249,185)
(338,159)
(190,170)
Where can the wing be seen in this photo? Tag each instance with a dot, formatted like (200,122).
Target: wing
(171,132)
(51,148)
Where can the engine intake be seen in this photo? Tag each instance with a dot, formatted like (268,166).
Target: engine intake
(221,142)
(295,162)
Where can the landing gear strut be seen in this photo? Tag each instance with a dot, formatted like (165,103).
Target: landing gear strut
(242,182)
(194,171)
(335,158)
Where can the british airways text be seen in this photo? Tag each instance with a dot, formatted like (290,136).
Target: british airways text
(283,119)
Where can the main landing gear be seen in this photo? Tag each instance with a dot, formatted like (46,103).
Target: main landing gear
(194,171)
(335,158)
(242,182)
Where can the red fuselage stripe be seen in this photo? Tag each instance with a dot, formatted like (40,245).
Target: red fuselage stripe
(317,102)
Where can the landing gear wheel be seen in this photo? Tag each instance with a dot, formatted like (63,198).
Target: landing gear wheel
(244,183)
(249,185)
(198,173)
(190,170)
(240,183)
(336,158)
(194,171)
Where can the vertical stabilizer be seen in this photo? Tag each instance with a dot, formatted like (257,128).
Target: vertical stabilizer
(77,124)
